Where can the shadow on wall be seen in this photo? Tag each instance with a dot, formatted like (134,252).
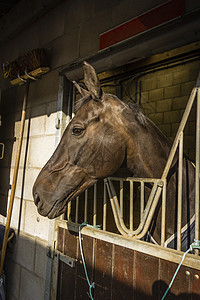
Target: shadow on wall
(7,137)
(11,114)
(25,268)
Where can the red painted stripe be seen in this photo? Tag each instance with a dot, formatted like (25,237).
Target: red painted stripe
(155,17)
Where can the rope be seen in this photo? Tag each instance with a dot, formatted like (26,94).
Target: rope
(194,245)
(91,285)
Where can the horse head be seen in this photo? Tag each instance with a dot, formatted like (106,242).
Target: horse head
(93,146)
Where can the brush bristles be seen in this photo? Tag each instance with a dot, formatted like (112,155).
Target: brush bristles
(32,60)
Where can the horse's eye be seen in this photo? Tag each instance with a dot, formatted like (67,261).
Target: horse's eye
(77,131)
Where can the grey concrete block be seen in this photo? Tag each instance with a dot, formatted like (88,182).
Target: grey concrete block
(78,12)
(52,25)
(32,287)
(44,90)
(24,251)
(39,153)
(18,214)
(38,124)
(65,49)
(23,151)
(90,32)
(41,258)
(25,183)
(35,224)
(13,275)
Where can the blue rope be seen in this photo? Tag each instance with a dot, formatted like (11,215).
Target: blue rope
(194,245)
(91,285)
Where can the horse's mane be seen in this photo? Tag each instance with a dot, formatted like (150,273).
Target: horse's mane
(140,117)
(81,102)
(136,109)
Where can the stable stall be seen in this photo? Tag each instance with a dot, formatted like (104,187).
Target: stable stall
(145,53)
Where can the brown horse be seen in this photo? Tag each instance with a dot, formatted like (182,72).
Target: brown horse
(104,133)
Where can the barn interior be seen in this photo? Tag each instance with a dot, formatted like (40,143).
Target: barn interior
(146,53)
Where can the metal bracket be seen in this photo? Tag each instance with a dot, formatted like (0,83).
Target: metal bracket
(66,259)
(53,253)
(57,123)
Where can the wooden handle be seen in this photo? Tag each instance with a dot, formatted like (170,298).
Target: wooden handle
(16,168)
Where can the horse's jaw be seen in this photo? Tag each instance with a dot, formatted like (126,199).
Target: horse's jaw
(52,199)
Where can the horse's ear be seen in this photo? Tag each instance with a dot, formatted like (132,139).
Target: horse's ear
(92,81)
(82,91)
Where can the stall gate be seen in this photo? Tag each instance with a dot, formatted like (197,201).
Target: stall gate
(132,270)
(123,266)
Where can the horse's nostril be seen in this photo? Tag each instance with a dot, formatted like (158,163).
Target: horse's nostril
(36,198)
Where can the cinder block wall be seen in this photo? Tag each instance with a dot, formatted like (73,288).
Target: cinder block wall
(25,265)
(164,95)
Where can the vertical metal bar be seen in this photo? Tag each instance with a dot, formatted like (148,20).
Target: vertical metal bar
(77,204)
(104,206)
(141,200)
(86,206)
(69,208)
(95,206)
(131,205)
(180,182)
(197,168)
(121,198)
(180,129)
(73,100)
(163,217)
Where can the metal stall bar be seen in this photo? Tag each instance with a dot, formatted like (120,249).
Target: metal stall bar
(77,205)
(95,206)
(116,209)
(163,216)
(115,214)
(131,205)
(115,204)
(104,206)
(86,206)
(170,159)
(141,200)
(180,186)
(197,170)
(179,132)
(121,197)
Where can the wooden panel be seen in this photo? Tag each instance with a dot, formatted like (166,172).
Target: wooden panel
(146,276)
(102,293)
(121,273)
(82,289)
(70,244)
(103,264)
(181,285)
(66,282)
(60,241)
(122,285)
(195,284)
(87,245)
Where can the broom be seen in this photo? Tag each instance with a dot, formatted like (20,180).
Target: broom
(33,63)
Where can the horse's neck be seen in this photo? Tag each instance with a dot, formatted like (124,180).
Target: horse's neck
(147,150)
